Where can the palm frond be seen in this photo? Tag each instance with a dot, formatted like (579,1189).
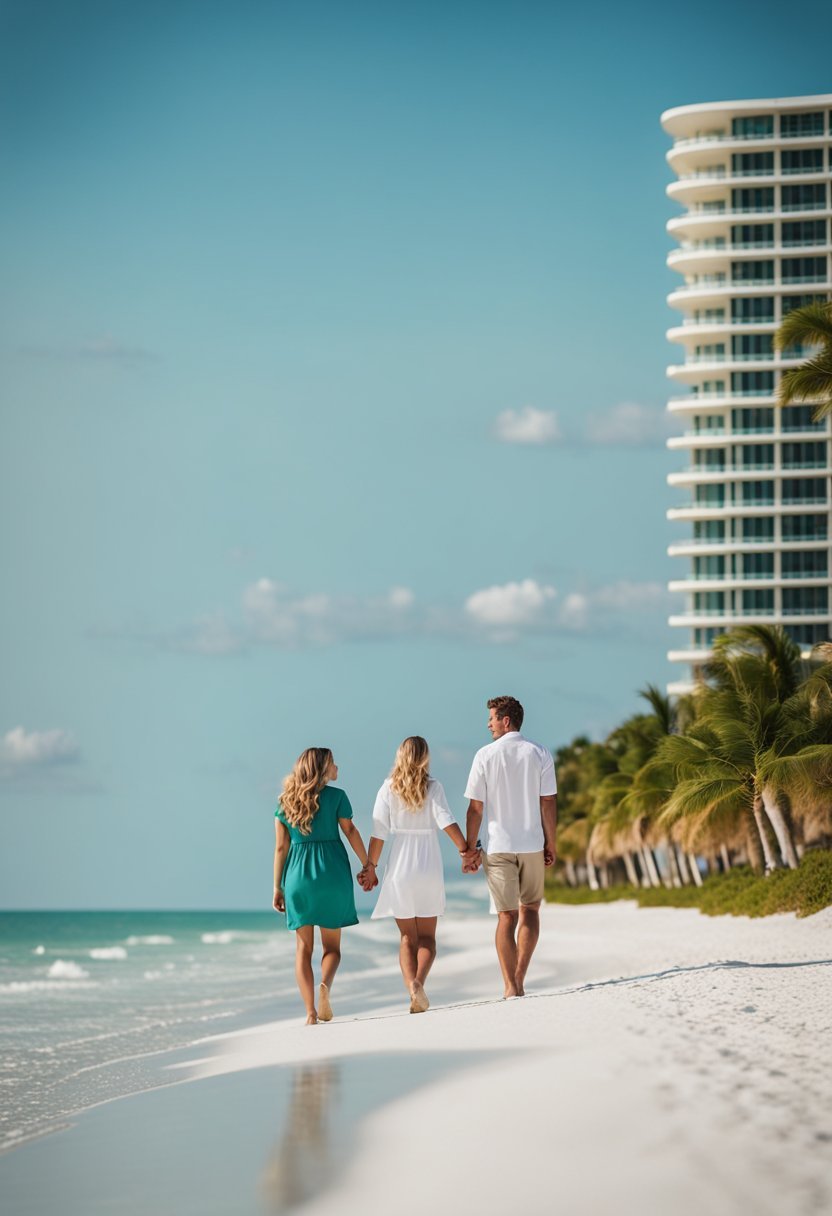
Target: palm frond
(805,326)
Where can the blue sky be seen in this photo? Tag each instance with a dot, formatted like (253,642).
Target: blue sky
(333,373)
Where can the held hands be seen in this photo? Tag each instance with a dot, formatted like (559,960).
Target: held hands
(367,878)
(471,860)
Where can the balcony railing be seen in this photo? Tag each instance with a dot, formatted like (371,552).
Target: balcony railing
(728,137)
(794,171)
(692,321)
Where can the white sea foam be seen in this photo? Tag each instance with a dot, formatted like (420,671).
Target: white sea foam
(45,985)
(153,975)
(218,939)
(61,970)
(108,952)
(150,939)
(39,950)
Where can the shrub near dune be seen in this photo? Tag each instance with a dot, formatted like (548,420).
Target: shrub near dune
(806,890)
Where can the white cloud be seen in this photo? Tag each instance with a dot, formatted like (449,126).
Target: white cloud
(629,425)
(527,425)
(26,753)
(512,604)
(271,615)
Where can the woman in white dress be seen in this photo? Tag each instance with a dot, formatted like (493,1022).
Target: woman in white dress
(412,809)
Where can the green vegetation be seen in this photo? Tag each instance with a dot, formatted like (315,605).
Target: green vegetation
(741,892)
(714,797)
(812,380)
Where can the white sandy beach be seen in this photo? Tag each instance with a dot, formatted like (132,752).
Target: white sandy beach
(662,1062)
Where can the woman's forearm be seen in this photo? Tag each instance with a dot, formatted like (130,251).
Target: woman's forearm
(279,862)
(453,830)
(357,844)
(374,850)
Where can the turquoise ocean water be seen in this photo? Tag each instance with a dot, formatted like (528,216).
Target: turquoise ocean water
(88,1000)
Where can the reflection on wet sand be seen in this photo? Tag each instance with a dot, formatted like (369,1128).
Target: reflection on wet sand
(303,1159)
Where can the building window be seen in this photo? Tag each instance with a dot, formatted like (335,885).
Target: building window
(711,460)
(752,421)
(808,635)
(709,567)
(808,196)
(801,418)
(709,529)
(805,601)
(802,160)
(757,456)
(758,565)
(804,563)
(750,164)
(752,384)
(756,310)
(755,271)
(706,637)
(709,496)
(709,601)
(749,345)
(708,314)
(804,489)
(758,602)
(757,493)
(792,126)
(758,198)
(806,455)
(805,527)
(758,529)
(708,424)
(755,126)
(743,235)
(708,388)
(804,270)
(804,232)
(710,350)
(790,303)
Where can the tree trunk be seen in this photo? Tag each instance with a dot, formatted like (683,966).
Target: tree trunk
(571,876)
(694,870)
(781,828)
(768,856)
(682,863)
(724,858)
(591,876)
(673,865)
(604,876)
(753,844)
(629,866)
(650,867)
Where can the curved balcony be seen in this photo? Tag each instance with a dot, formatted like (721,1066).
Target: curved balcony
(756,434)
(705,181)
(699,512)
(743,582)
(721,619)
(704,257)
(699,217)
(717,289)
(696,547)
(703,402)
(690,328)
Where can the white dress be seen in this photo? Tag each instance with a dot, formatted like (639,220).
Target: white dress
(413,882)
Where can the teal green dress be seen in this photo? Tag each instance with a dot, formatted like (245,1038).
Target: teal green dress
(317,879)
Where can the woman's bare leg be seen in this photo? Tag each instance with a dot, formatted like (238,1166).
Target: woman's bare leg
(408,950)
(426,948)
(305,942)
(331,945)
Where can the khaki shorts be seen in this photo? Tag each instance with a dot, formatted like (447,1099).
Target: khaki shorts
(514,879)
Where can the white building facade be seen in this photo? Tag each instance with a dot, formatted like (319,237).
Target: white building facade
(754,179)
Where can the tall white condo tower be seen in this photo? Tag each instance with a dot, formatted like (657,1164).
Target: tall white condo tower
(754,179)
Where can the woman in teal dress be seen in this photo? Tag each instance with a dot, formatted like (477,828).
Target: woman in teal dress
(312,877)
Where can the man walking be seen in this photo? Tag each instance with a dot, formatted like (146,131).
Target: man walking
(513,795)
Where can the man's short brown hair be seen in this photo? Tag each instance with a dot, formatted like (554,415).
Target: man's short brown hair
(508,707)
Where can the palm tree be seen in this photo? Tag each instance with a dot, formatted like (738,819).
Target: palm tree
(812,381)
(762,733)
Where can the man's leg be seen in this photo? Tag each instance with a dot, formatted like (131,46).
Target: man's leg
(502,870)
(507,950)
(528,931)
(532,872)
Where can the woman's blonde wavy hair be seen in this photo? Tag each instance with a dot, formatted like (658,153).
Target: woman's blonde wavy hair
(409,778)
(302,788)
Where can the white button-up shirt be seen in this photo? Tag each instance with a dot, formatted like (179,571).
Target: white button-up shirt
(509,777)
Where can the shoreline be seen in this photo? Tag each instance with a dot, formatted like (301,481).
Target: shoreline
(663,1040)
